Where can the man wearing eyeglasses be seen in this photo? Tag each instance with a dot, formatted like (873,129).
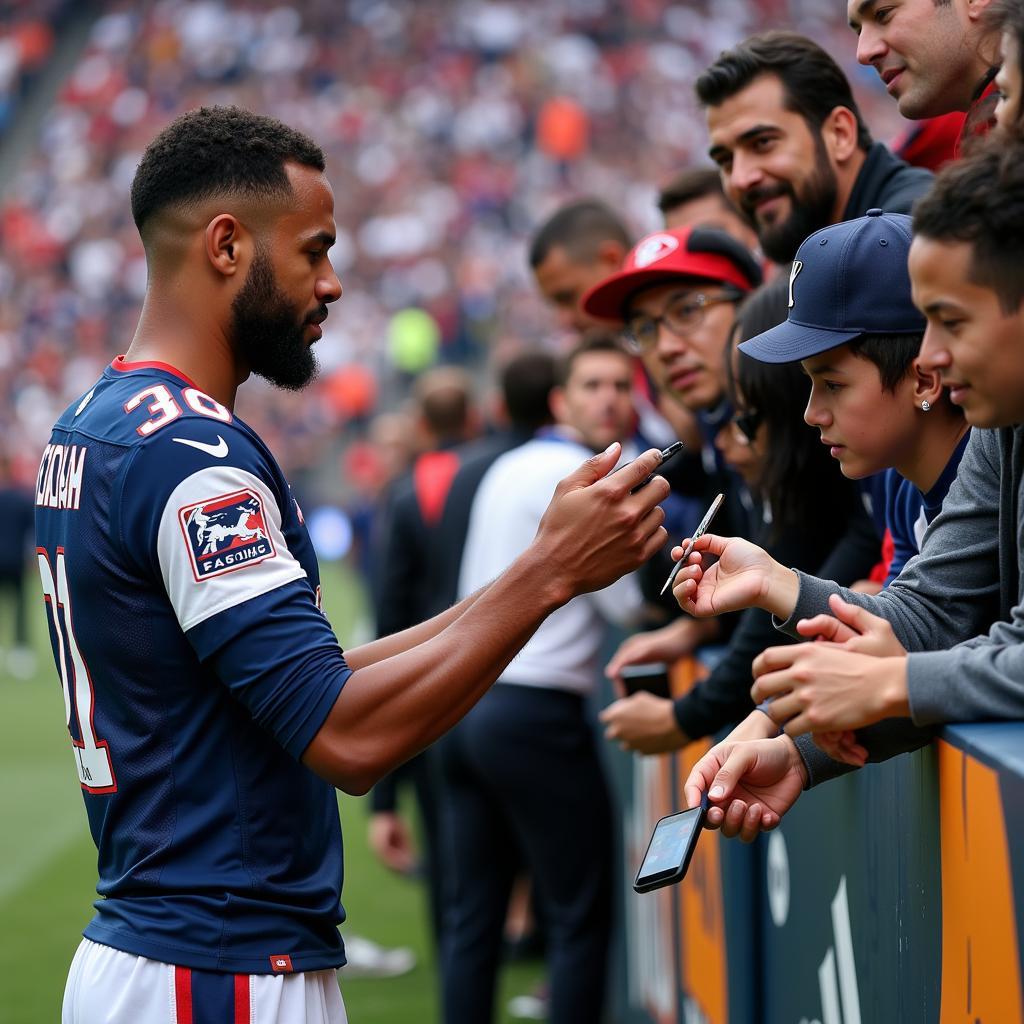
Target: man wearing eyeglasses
(676,297)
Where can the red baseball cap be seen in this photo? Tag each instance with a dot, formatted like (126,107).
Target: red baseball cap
(706,254)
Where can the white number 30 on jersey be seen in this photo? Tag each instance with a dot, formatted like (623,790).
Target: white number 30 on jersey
(92,755)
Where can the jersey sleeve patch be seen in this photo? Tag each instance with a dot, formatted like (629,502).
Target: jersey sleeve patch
(220,543)
(226,534)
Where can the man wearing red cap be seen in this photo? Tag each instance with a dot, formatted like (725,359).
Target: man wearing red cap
(676,295)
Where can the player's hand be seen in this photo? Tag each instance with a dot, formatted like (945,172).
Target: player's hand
(823,687)
(644,723)
(750,785)
(853,627)
(667,644)
(743,576)
(391,842)
(594,530)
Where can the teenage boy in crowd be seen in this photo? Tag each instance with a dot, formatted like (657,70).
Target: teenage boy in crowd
(963,592)
(793,150)
(856,332)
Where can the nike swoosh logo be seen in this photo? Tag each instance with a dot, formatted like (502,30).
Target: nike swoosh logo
(218,450)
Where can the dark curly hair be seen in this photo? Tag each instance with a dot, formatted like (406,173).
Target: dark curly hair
(216,151)
(813,83)
(980,200)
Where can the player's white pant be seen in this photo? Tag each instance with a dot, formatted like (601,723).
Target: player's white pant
(107,986)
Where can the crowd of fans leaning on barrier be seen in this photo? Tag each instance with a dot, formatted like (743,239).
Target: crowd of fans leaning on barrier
(847,410)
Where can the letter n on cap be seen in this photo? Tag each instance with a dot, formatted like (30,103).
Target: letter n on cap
(793,274)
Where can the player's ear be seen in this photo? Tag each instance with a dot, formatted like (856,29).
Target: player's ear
(226,242)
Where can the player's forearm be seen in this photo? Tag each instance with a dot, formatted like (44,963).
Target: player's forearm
(406,639)
(393,708)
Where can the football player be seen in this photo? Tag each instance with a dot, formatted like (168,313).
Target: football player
(211,709)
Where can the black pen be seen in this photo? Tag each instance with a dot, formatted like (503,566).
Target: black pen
(666,454)
(699,532)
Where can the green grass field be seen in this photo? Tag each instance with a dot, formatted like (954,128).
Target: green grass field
(48,861)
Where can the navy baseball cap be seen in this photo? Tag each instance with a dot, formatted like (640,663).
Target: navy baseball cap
(847,280)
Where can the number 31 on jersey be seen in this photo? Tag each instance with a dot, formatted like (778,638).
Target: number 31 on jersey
(95,771)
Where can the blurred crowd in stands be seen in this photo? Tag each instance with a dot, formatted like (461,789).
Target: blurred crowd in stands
(451,130)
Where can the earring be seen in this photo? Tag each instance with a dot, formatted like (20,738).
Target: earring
(925,405)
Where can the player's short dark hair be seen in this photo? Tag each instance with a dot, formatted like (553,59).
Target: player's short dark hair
(813,83)
(596,339)
(526,384)
(218,151)
(689,185)
(980,200)
(579,227)
(893,354)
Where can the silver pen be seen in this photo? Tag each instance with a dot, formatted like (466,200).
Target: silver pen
(699,532)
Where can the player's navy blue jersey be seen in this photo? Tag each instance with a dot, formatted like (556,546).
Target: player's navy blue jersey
(183,598)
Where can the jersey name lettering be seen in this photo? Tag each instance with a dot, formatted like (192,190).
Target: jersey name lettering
(59,483)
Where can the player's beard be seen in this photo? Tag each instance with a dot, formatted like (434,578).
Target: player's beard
(269,333)
(809,212)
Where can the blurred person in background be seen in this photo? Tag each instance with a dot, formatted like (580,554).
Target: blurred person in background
(16,515)
(522,772)
(793,150)
(407,566)
(526,382)
(695,197)
(371,466)
(579,244)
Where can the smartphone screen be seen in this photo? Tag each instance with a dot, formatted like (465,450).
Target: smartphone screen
(652,677)
(668,854)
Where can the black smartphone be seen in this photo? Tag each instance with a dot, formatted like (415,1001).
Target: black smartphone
(670,849)
(666,453)
(652,677)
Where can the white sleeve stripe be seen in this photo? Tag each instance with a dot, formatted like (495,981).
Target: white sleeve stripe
(220,543)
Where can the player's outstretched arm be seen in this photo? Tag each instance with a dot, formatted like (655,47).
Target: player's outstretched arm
(594,531)
(744,576)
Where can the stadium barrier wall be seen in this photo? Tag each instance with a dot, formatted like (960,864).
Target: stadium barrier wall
(894,894)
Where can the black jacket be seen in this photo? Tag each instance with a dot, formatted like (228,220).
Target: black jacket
(886,182)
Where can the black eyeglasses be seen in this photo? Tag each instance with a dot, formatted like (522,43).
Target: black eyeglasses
(746,424)
(682,314)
